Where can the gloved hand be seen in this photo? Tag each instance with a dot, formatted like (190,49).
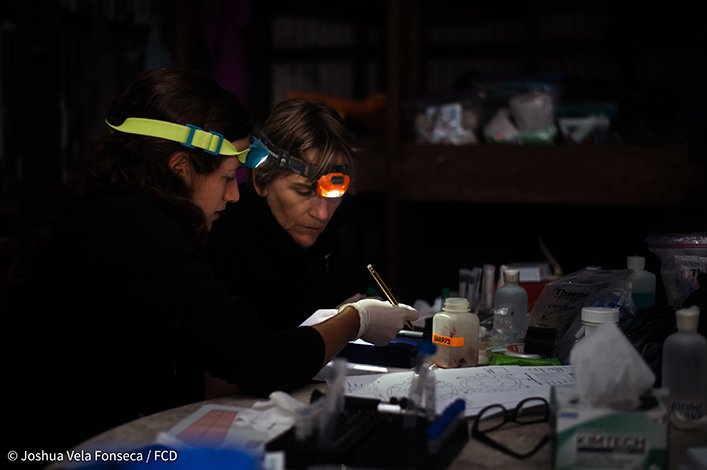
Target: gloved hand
(357,297)
(380,321)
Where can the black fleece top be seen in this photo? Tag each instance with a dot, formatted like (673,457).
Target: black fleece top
(119,319)
(282,282)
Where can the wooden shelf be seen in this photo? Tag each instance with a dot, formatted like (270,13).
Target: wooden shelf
(565,175)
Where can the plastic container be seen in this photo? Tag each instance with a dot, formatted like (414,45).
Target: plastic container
(592,317)
(584,324)
(642,283)
(455,331)
(684,371)
(513,297)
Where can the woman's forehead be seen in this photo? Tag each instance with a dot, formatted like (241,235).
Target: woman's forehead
(314,156)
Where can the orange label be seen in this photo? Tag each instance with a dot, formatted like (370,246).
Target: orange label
(453,341)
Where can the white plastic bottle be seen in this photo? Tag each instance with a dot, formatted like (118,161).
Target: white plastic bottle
(455,331)
(513,297)
(685,371)
(642,283)
(592,317)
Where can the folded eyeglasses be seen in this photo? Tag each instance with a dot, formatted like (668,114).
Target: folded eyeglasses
(528,411)
(332,184)
(193,136)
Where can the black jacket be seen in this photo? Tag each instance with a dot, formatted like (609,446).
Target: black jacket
(118,320)
(279,280)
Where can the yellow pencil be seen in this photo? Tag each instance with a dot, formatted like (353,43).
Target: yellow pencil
(389,295)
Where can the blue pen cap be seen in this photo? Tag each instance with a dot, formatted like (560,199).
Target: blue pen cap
(426,347)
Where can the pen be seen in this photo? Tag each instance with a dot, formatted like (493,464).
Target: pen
(386,292)
(354,403)
(411,334)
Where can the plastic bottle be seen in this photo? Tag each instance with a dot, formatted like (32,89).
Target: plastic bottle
(642,283)
(592,317)
(512,296)
(455,331)
(685,371)
(582,326)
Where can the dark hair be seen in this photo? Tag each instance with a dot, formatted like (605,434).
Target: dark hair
(178,95)
(120,160)
(181,96)
(298,125)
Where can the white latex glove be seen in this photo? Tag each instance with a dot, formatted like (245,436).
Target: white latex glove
(380,321)
(357,297)
(351,300)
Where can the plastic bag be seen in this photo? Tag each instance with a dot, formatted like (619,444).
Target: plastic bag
(683,256)
(561,300)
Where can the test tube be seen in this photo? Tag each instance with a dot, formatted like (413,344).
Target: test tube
(425,350)
(333,402)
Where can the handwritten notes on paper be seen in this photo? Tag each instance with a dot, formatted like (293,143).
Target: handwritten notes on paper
(478,386)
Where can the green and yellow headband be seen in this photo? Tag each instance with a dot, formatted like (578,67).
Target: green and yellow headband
(193,136)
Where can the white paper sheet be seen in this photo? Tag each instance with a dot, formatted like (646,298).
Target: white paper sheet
(478,386)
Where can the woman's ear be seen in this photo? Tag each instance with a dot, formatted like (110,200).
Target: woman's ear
(181,166)
(262,191)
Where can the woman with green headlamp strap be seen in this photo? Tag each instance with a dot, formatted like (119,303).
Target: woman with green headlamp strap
(116,313)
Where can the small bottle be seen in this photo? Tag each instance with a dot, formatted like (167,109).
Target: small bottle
(455,331)
(512,296)
(685,371)
(642,283)
(592,317)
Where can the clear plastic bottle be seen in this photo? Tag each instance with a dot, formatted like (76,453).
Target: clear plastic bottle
(642,283)
(513,297)
(455,331)
(685,371)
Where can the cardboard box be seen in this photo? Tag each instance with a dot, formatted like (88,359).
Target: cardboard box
(593,438)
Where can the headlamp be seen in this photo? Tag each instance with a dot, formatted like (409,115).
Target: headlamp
(332,184)
(193,136)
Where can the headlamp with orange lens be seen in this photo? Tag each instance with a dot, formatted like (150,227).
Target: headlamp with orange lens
(332,184)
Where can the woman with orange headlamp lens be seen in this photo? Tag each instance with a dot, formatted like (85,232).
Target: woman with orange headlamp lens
(283,232)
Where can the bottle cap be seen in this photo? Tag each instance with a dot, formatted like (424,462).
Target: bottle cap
(687,319)
(511,276)
(600,314)
(457,304)
(636,262)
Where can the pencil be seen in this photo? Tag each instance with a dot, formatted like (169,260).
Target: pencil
(389,295)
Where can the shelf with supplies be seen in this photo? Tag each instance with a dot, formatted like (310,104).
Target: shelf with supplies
(648,176)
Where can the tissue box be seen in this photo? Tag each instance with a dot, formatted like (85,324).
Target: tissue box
(588,438)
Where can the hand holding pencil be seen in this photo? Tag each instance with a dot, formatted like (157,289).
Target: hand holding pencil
(379,320)
(388,294)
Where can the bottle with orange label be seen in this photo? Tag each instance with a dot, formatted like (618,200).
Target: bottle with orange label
(455,331)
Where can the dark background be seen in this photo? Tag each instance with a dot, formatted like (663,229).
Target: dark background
(62,62)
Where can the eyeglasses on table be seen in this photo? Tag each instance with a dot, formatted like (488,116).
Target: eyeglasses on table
(528,411)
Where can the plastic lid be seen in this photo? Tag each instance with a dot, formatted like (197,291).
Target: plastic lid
(511,276)
(687,319)
(456,304)
(600,314)
(636,262)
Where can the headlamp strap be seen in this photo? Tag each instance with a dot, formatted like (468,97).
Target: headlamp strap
(188,135)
